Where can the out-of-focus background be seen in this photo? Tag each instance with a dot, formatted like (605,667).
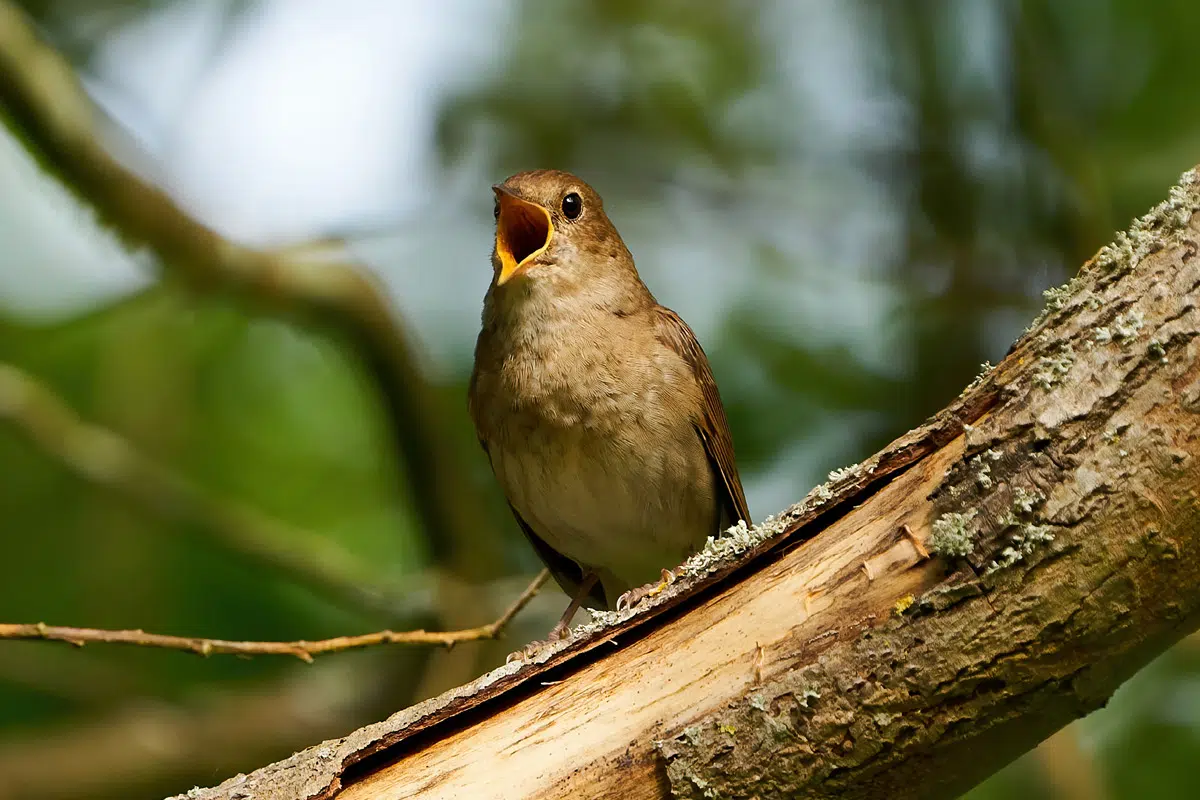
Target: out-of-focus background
(854,204)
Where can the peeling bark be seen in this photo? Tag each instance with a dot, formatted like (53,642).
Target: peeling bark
(906,630)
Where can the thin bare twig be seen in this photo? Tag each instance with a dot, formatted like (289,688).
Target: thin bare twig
(301,649)
(102,457)
(41,98)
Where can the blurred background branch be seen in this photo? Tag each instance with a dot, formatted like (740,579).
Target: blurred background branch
(133,748)
(43,100)
(1069,768)
(853,205)
(102,457)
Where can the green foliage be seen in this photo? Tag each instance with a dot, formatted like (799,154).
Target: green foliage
(215,395)
(1015,138)
(636,89)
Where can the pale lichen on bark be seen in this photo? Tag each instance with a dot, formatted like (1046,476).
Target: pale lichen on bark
(880,671)
(1074,498)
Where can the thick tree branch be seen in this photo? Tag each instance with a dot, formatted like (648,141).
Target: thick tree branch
(44,103)
(903,632)
(303,650)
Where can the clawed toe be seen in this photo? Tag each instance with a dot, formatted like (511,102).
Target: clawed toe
(525,653)
(557,634)
(634,596)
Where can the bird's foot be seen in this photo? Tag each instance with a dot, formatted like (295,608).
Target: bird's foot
(634,596)
(525,653)
(559,632)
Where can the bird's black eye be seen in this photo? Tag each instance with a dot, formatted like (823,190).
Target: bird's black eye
(496,210)
(572,205)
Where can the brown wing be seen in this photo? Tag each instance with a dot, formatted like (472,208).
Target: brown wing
(566,572)
(713,427)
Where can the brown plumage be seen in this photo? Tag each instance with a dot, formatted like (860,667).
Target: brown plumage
(596,405)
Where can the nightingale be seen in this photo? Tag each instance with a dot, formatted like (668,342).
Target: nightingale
(595,405)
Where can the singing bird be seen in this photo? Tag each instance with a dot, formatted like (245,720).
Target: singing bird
(595,405)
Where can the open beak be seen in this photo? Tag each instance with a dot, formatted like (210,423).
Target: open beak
(523,231)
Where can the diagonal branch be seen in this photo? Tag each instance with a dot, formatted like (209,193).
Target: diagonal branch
(908,628)
(100,456)
(301,649)
(43,101)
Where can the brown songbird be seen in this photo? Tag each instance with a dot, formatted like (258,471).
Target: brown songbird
(595,404)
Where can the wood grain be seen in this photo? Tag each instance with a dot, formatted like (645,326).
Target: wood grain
(830,657)
(570,738)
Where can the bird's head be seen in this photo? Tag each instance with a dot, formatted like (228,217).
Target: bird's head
(551,228)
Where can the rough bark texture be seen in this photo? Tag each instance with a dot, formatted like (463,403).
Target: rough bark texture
(826,653)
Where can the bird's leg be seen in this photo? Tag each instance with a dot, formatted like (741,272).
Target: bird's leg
(560,630)
(634,596)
